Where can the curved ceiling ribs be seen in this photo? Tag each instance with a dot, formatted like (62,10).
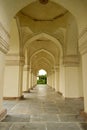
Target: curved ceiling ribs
(43,33)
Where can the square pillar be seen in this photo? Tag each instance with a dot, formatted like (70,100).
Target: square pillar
(13,80)
(72,77)
(3,111)
(30,78)
(53,79)
(56,78)
(72,82)
(83,52)
(84,72)
(26,78)
(4,46)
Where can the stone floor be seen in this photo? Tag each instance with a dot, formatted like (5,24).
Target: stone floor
(44,109)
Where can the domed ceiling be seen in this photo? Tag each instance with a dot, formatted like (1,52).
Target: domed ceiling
(42,18)
(49,11)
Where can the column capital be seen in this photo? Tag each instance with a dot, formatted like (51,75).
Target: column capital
(4,39)
(56,68)
(71,60)
(12,59)
(30,69)
(26,67)
(52,70)
(22,61)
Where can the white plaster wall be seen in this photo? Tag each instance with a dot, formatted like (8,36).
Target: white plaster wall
(49,80)
(81,79)
(11,81)
(56,80)
(62,80)
(14,38)
(71,37)
(24,80)
(72,82)
(3,15)
(12,70)
(84,68)
(8,9)
(53,80)
(2,67)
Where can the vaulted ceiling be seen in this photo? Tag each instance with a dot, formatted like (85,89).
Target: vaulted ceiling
(42,30)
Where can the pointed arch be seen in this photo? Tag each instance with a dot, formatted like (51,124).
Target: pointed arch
(45,35)
(43,50)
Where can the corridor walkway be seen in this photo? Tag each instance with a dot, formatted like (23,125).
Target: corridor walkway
(43,109)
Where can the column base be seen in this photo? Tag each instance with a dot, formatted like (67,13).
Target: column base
(22,97)
(83,114)
(28,91)
(13,98)
(53,89)
(60,93)
(31,88)
(3,114)
(34,85)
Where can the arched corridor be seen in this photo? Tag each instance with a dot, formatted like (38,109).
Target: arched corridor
(43,109)
(49,35)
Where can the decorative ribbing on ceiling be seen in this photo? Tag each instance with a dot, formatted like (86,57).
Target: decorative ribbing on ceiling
(43,1)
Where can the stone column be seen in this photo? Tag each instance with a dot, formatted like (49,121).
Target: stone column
(83,51)
(53,79)
(4,40)
(72,76)
(26,78)
(30,79)
(61,80)
(2,67)
(49,79)
(27,85)
(20,86)
(84,72)
(34,80)
(56,78)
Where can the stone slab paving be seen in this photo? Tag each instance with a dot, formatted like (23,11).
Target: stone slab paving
(43,109)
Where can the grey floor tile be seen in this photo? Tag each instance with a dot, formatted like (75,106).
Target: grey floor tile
(5,125)
(50,118)
(62,126)
(28,126)
(43,109)
(35,118)
(71,118)
(83,126)
(44,118)
(17,118)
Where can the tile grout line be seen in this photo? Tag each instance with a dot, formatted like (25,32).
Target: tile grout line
(58,117)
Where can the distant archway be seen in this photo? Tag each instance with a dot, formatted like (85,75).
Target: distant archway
(42,77)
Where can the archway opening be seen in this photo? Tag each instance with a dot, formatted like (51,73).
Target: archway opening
(42,77)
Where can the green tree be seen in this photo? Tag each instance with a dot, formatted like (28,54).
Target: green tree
(42,79)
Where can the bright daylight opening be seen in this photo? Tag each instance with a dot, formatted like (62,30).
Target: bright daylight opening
(42,72)
(42,77)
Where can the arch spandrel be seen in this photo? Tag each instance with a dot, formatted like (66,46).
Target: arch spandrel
(43,53)
(71,5)
(39,60)
(44,35)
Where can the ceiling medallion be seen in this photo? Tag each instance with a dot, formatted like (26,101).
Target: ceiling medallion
(43,1)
